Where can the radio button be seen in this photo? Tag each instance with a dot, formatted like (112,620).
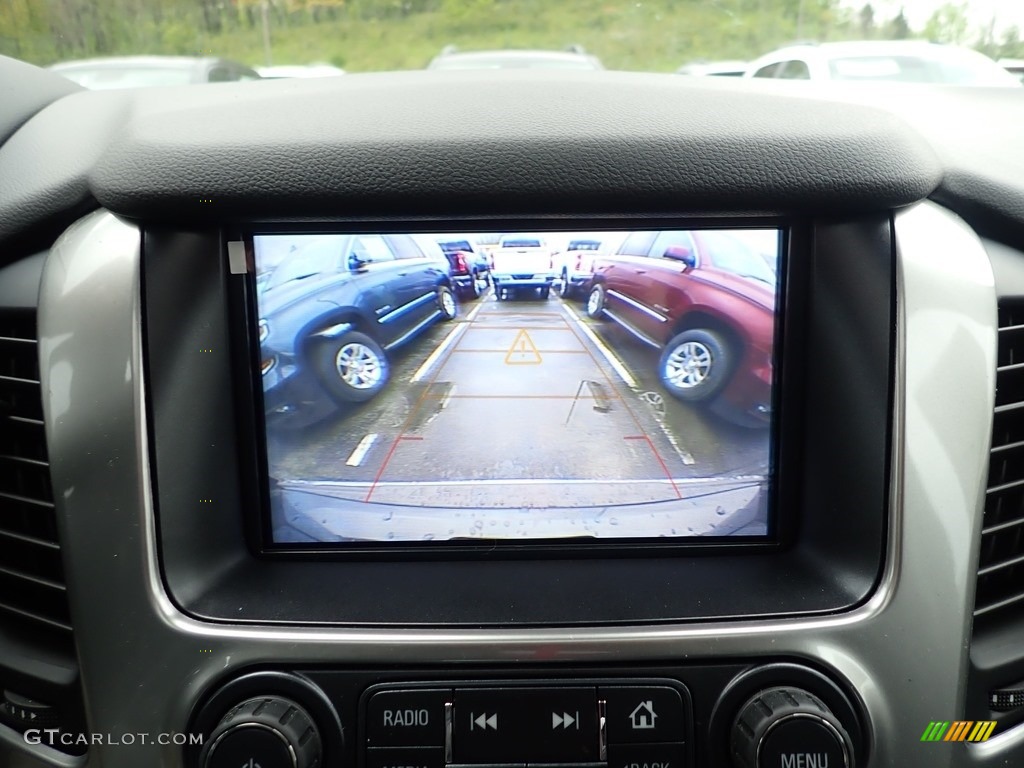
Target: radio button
(406,718)
(405,757)
(525,725)
(647,756)
(643,715)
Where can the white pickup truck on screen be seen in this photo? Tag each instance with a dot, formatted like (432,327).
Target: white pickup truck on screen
(522,262)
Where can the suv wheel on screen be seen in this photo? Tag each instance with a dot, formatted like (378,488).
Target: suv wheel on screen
(595,301)
(353,368)
(695,365)
(446,303)
(564,288)
(476,286)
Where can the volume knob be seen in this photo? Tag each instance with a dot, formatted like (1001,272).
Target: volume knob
(789,728)
(264,732)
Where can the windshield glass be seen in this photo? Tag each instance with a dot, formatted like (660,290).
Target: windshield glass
(698,38)
(953,67)
(103,77)
(727,252)
(512,61)
(584,245)
(318,255)
(451,246)
(520,242)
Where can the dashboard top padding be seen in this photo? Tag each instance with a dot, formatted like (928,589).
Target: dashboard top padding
(457,144)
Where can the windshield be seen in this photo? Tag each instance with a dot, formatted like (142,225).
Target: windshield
(698,38)
(318,254)
(584,245)
(103,77)
(520,242)
(512,60)
(953,67)
(453,246)
(727,252)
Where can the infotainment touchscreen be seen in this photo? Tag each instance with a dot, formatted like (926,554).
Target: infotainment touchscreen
(538,387)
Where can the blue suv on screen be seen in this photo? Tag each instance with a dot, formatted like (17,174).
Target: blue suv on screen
(332,311)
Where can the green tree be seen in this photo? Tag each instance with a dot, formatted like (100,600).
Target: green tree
(1011,46)
(949,24)
(867,21)
(898,28)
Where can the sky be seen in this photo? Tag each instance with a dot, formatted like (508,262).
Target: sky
(980,12)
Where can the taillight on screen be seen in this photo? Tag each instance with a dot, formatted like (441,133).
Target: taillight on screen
(460,263)
(579,262)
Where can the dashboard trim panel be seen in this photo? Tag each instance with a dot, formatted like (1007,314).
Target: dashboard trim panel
(91,350)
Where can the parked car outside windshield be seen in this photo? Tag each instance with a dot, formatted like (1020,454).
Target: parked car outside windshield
(515,59)
(150,71)
(893,61)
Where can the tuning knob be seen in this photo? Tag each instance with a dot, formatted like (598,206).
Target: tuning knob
(789,728)
(264,732)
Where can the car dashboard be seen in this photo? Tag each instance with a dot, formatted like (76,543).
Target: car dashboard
(144,620)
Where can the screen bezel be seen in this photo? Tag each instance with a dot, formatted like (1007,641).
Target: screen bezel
(835,475)
(251,410)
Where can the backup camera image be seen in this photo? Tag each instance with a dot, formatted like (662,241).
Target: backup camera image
(517,385)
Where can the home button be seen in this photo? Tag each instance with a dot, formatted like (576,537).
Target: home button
(643,715)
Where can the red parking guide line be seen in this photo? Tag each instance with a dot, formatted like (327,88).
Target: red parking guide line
(412,414)
(661,461)
(383,465)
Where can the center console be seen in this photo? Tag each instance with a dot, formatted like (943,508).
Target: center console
(779,713)
(525,443)
(283,544)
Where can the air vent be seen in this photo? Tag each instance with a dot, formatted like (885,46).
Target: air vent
(39,683)
(1000,589)
(33,602)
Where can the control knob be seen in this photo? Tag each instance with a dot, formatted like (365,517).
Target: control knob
(789,728)
(264,732)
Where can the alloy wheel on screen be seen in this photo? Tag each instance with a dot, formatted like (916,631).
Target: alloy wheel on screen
(689,365)
(358,366)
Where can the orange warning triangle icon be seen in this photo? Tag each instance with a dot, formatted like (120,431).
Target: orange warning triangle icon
(523,351)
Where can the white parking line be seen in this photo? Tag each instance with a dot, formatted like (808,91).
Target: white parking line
(741,479)
(684,455)
(361,450)
(608,355)
(476,310)
(450,339)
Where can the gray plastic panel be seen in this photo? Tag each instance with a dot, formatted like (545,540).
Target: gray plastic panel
(144,664)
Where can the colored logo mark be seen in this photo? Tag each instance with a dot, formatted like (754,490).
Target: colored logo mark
(959,730)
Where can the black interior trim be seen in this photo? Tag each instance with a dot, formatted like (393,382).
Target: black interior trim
(833,565)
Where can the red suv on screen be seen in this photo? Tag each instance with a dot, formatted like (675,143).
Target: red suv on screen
(706,299)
